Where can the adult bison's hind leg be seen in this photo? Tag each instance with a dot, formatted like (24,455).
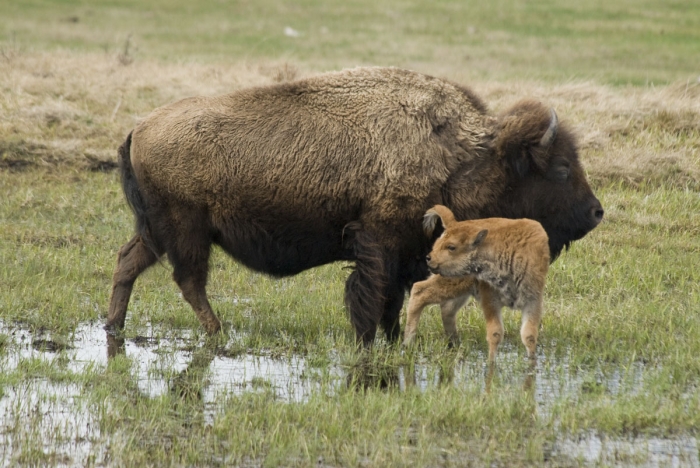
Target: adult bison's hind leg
(133,258)
(189,256)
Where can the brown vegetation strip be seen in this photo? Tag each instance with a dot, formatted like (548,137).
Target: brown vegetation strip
(73,110)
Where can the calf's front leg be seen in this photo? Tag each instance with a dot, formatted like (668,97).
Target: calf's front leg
(422,295)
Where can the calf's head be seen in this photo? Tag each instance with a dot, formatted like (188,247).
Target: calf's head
(545,180)
(456,251)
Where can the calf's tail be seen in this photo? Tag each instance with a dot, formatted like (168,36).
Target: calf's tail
(133,195)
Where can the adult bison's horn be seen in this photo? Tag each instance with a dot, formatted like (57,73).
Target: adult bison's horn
(551,132)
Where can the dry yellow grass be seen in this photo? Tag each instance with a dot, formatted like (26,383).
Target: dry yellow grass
(631,134)
(72,110)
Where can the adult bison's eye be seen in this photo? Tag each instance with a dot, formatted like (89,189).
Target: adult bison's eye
(451,248)
(562,174)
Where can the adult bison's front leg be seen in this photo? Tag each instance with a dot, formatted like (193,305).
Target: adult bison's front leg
(394,294)
(366,286)
(363,300)
(392,313)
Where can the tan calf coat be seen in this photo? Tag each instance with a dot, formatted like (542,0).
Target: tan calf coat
(502,262)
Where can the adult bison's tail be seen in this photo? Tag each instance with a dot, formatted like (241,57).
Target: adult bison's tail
(133,194)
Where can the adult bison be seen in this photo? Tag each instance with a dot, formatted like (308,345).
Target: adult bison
(340,166)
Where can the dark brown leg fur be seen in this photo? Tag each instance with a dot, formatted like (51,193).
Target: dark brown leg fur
(361,297)
(392,311)
(193,288)
(133,258)
(365,286)
(189,256)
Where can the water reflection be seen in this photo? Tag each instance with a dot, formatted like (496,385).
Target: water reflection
(68,433)
(206,373)
(598,450)
(163,364)
(156,362)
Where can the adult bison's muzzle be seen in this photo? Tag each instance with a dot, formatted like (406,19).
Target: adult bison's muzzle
(340,166)
(574,227)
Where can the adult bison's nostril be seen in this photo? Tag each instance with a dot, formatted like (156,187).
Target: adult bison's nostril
(597,212)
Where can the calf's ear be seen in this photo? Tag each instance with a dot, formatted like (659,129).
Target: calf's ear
(480,237)
(433,214)
(524,135)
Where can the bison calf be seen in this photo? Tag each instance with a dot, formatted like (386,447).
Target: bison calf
(502,262)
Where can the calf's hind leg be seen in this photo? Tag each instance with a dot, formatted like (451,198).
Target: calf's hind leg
(422,295)
(494,322)
(532,317)
(133,258)
(448,310)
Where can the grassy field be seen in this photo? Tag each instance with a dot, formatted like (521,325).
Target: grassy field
(617,377)
(621,41)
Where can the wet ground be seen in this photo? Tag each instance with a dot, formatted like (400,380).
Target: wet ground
(158,362)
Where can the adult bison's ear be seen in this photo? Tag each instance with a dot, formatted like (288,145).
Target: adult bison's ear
(431,216)
(524,135)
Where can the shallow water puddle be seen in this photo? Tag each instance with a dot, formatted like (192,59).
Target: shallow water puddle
(592,450)
(551,379)
(290,380)
(69,432)
(156,360)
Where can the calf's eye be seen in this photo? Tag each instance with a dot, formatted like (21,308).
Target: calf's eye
(451,248)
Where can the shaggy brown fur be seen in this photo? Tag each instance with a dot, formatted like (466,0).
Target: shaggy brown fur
(337,167)
(503,262)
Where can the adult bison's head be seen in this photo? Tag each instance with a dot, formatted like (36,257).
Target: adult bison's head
(545,180)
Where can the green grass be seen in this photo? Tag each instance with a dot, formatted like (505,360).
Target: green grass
(618,348)
(622,302)
(619,42)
